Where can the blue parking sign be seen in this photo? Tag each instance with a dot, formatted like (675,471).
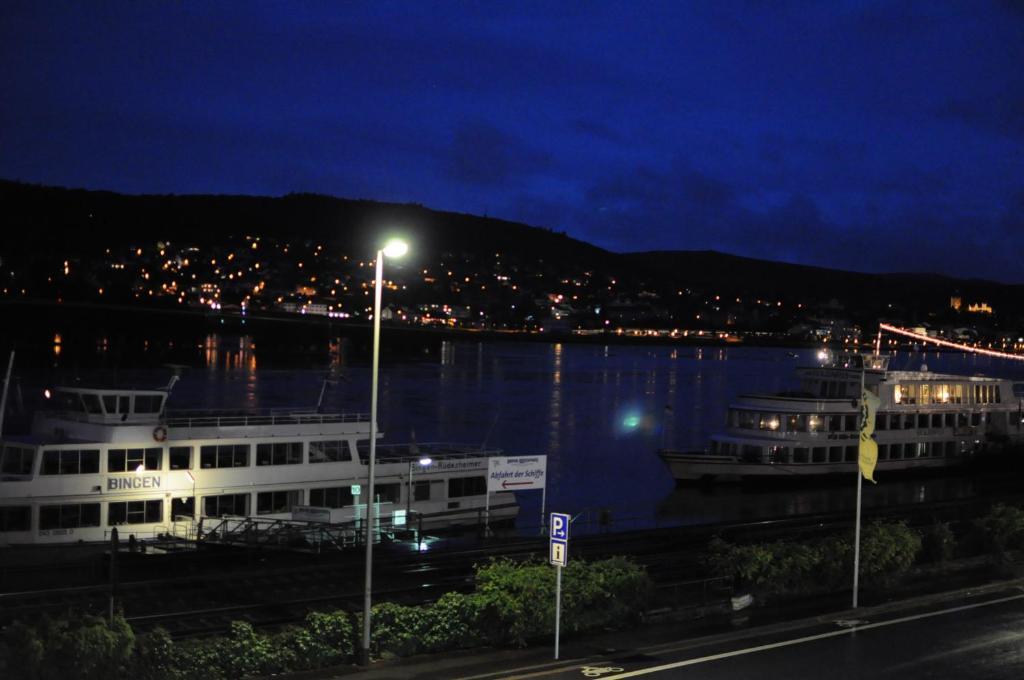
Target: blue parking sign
(560,526)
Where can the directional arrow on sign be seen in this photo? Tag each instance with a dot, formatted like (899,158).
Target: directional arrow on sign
(507,484)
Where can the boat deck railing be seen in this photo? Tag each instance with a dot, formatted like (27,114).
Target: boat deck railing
(401,453)
(190,419)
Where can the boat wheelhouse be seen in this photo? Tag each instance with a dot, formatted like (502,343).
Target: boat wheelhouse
(97,459)
(924,420)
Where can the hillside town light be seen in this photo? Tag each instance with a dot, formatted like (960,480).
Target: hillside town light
(393,248)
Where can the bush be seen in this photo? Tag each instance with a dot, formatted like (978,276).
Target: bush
(515,602)
(887,552)
(937,543)
(155,657)
(396,629)
(326,639)
(24,651)
(450,623)
(78,646)
(1004,528)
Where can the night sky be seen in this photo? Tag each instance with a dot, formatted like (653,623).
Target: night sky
(870,136)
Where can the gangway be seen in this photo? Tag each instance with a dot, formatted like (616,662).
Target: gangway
(289,534)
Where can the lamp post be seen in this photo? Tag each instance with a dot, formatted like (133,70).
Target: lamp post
(393,248)
(424,462)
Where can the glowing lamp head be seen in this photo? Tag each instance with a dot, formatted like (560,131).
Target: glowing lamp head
(396,247)
(142,468)
(47,393)
(425,461)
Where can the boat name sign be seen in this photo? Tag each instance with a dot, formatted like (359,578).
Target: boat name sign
(134,482)
(520,473)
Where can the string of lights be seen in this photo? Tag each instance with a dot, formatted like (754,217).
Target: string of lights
(947,343)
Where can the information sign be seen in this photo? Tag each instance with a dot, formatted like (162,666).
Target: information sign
(519,473)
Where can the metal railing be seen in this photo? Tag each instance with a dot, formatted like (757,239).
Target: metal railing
(190,419)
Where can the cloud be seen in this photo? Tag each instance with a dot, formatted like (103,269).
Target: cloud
(481,154)
(1001,113)
(682,208)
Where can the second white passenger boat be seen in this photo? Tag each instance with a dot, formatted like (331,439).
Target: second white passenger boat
(925,420)
(100,458)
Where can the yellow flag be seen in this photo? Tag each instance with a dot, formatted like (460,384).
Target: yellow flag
(868,447)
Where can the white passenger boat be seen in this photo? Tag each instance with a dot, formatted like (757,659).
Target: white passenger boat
(102,458)
(925,420)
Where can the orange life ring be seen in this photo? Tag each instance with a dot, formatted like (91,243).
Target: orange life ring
(160,433)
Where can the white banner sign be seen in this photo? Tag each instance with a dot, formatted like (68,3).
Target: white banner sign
(521,473)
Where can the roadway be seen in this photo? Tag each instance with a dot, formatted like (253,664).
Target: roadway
(968,635)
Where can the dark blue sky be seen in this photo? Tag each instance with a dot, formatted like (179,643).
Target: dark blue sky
(878,136)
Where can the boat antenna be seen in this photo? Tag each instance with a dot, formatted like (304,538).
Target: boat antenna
(483,444)
(3,398)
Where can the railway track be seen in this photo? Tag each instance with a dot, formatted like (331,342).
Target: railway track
(272,595)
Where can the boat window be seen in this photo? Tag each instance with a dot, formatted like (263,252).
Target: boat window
(835,423)
(922,421)
(16,460)
(467,486)
(818,454)
(998,396)
(851,423)
(147,403)
(279,453)
(1018,390)
(129,460)
(389,493)
(421,491)
(276,502)
(850,454)
(926,393)
(67,401)
(881,421)
(227,504)
(796,422)
(180,457)
(224,456)
(115,403)
(936,420)
(69,516)
(801,454)
(15,518)
(747,420)
(908,421)
(949,420)
(329,452)
(975,419)
(70,462)
(814,423)
(883,452)
(92,403)
(135,512)
(950,449)
(835,454)
(769,421)
(922,450)
(331,497)
(183,508)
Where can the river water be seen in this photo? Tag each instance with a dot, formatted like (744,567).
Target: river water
(599,412)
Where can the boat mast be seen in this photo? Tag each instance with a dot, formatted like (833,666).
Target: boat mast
(3,398)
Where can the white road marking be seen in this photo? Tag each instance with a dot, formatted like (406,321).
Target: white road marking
(809,638)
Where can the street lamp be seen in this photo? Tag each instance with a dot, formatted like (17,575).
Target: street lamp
(393,248)
(424,462)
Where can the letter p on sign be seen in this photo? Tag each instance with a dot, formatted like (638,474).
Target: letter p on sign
(560,526)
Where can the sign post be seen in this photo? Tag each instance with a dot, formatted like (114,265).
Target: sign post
(517,473)
(559,556)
